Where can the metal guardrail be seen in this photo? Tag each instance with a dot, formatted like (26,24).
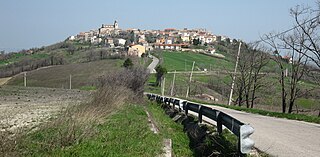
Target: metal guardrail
(241,130)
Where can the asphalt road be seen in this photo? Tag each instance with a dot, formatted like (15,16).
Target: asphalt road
(280,137)
(153,64)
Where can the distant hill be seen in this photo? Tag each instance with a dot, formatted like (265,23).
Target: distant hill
(61,53)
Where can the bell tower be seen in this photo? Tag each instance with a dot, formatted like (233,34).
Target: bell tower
(116,26)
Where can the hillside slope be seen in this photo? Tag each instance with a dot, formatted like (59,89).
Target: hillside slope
(83,74)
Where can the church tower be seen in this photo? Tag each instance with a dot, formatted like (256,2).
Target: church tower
(116,26)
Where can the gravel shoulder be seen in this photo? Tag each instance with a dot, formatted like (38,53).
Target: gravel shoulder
(26,107)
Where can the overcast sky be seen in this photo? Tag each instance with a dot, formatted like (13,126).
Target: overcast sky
(35,23)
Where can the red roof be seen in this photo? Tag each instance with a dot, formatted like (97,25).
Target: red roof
(169,29)
(171,44)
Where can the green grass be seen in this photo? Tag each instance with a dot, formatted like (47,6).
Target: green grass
(14,58)
(149,87)
(308,103)
(19,56)
(171,130)
(182,61)
(226,143)
(125,133)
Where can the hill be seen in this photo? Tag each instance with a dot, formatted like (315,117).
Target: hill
(83,74)
(61,53)
(216,81)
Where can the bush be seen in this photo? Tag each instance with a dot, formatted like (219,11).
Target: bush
(132,79)
(128,63)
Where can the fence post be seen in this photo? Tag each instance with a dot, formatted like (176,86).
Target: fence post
(25,79)
(70,82)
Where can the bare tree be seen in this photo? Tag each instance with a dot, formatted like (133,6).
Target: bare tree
(307,22)
(297,44)
(250,77)
(259,61)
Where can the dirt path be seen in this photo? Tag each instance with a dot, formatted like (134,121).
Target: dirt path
(29,106)
(3,81)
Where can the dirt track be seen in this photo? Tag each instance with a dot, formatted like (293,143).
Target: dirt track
(28,106)
(4,80)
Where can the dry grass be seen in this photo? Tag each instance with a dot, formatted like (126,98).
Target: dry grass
(7,144)
(83,74)
(78,123)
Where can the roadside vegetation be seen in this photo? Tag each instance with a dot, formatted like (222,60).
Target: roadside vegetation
(203,140)
(217,81)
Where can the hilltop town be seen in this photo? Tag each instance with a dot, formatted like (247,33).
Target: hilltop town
(137,42)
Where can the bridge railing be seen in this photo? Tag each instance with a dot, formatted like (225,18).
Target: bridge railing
(238,128)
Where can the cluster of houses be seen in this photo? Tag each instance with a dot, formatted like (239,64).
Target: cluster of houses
(138,41)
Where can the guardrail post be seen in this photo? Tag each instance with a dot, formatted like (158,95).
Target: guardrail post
(186,108)
(219,123)
(172,102)
(200,114)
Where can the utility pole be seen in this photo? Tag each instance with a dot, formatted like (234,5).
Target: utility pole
(174,78)
(25,79)
(190,80)
(70,82)
(163,84)
(234,75)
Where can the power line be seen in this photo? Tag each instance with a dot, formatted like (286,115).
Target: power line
(288,30)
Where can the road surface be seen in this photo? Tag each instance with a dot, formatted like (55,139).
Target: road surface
(153,65)
(280,137)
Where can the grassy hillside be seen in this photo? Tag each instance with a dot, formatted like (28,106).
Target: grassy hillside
(182,61)
(61,53)
(83,74)
(217,83)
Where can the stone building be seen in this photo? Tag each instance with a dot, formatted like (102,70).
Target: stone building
(107,29)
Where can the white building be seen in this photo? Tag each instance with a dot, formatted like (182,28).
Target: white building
(72,38)
(121,41)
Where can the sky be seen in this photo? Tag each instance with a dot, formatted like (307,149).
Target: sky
(35,23)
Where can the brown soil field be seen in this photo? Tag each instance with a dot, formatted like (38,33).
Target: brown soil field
(26,107)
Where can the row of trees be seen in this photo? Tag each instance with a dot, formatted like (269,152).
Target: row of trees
(28,64)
